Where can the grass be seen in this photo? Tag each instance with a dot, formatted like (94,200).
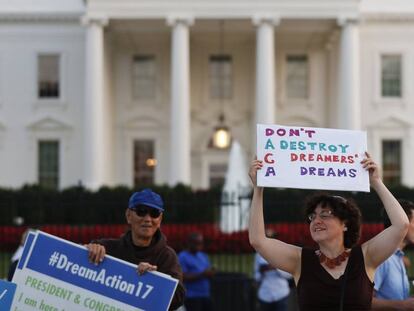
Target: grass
(4,264)
(241,263)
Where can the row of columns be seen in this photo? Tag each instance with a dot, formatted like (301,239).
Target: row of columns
(95,144)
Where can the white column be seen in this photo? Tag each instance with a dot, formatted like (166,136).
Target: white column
(180,147)
(94,113)
(349,110)
(265,70)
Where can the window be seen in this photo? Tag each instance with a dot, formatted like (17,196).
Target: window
(297,76)
(217,175)
(221,81)
(143,77)
(391,158)
(48,164)
(391,75)
(144,162)
(48,76)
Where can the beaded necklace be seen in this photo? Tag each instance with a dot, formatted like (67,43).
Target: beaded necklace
(334,262)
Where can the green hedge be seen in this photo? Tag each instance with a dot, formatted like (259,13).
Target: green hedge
(107,205)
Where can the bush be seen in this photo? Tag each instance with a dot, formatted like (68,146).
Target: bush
(79,206)
(177,234)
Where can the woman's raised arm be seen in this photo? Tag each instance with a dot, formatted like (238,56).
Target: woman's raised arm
(383,245)
(279,254)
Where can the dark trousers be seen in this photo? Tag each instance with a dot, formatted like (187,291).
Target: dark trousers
(198,304)
(280,305)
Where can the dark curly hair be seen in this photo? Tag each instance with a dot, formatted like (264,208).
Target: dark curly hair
(345,209)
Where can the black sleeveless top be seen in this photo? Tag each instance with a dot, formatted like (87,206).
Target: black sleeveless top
(319,291)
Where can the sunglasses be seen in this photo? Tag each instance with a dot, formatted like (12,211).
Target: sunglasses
(143,211)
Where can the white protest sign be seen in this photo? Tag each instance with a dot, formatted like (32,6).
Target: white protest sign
(55,275)
(311,158)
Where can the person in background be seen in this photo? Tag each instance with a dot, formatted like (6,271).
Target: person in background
(143,244)
(340,273)
(273,291)
(197,273)
(392,288)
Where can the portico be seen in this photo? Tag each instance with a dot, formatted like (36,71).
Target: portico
(182,114)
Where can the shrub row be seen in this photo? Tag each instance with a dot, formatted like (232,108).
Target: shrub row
(215,240)
(77,205)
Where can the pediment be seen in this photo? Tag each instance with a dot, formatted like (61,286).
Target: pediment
(49,124)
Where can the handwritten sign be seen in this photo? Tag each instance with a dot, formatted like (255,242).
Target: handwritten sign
(55,274)
(311,158)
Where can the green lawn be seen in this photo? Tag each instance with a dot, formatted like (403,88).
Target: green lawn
(4,264)
(242,263)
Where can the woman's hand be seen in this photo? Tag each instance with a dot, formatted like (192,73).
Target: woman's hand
(373,169)
(256,165)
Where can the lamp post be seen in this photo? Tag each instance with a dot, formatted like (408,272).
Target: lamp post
(221,138)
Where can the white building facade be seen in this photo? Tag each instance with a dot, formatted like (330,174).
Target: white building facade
(105,92)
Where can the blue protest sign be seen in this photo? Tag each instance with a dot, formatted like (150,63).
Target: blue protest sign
(57,274)
(7,290)
(27,244)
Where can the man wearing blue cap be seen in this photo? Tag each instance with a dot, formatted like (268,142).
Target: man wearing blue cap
(143,244)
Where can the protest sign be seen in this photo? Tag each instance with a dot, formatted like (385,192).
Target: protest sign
(311,158)
(7,290)
(17,277)
(54,274)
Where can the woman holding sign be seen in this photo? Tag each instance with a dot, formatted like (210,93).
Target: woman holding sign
(339,274)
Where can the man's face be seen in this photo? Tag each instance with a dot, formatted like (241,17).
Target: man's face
(143,227)
(410,234)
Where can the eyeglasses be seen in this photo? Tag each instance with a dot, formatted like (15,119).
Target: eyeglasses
(324,215)
(142,211)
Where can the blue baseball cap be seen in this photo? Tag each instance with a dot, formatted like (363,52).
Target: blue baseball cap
(146,197)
